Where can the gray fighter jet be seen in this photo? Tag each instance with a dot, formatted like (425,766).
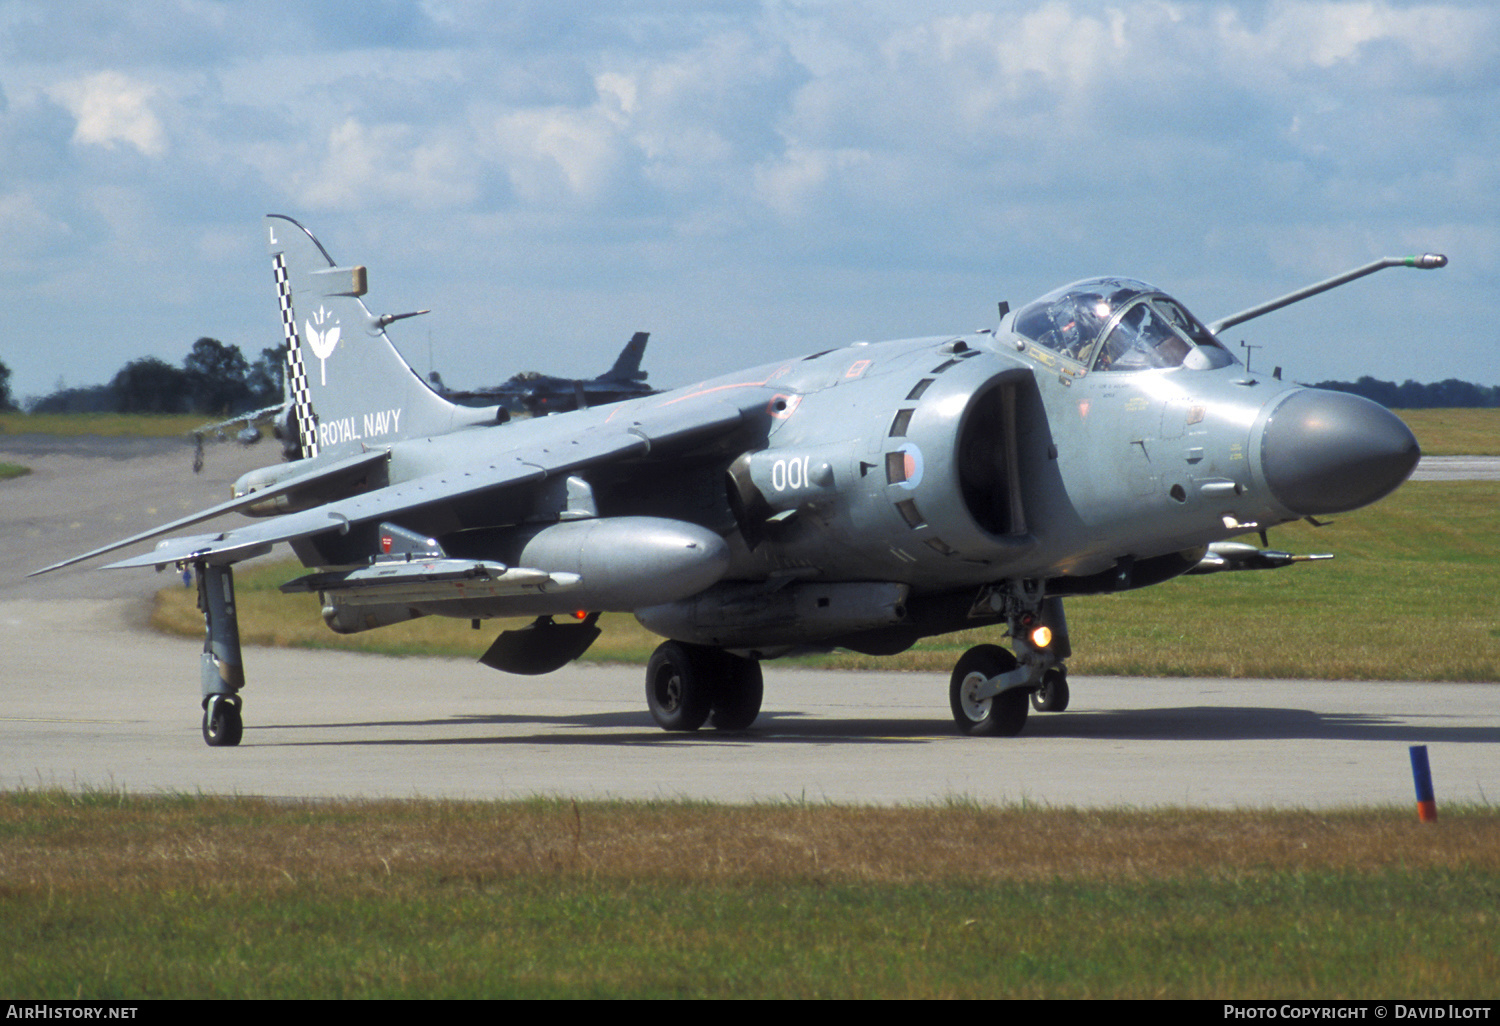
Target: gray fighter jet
(1098,439)
(541,394)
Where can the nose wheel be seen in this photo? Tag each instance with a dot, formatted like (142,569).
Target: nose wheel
(1001,715)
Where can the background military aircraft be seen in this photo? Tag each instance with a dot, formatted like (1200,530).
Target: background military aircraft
(1100,438)
(249,432)
(541,394)
(529,392)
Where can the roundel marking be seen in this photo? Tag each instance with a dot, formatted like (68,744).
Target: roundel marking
(911,465)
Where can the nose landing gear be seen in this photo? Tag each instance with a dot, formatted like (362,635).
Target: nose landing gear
(1052,696)
(990,689)
(978,710)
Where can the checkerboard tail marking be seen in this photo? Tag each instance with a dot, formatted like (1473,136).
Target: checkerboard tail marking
(296,368)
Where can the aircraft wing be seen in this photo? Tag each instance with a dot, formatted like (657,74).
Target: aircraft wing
(244,418)
(570,452)
(334,469)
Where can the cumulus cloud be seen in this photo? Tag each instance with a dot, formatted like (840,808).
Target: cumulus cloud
(555,154)
(1424,37)
(113,109)
(797,155)
(386,165)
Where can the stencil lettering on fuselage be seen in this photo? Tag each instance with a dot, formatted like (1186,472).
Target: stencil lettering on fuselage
(359,428)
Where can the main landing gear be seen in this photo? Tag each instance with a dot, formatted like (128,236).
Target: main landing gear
(689,685)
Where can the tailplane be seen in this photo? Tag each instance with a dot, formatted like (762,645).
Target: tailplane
(348,387)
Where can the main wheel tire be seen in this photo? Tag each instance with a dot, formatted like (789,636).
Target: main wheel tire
(1053,695)
(222,725)
(680,685)
(1002,715)
(738,694)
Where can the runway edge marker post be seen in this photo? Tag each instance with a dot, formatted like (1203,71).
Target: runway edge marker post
(1421,775)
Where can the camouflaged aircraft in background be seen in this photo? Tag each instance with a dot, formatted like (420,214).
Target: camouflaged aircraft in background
(1098,439)
(540,394)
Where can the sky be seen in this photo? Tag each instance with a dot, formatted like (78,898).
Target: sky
(747,181)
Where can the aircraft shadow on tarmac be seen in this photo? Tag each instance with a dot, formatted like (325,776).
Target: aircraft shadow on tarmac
(1255,723)
(1187,723)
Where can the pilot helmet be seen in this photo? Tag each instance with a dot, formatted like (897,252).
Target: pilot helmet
(1089,313)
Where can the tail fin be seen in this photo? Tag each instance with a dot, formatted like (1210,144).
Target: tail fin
(628,364)
(349,388)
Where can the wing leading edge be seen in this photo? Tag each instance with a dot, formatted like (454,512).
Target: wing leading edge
(240,502)
(602,442)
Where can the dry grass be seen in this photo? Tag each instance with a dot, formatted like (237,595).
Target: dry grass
(110,896)
(111,425)
(70,843)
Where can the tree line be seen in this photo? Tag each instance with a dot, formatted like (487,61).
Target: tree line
(214,380)
(1413,395)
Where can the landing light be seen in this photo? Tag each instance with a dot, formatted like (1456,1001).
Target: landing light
(1041,637)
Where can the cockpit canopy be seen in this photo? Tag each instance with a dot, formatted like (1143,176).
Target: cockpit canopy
(1119,324)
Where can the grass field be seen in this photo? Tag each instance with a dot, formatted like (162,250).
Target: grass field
(1410,596)
(110,425)
(109,896)
(1455,432)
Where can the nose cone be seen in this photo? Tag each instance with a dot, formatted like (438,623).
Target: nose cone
(1330,452)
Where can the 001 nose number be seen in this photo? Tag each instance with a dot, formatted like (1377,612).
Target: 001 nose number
(792,473)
